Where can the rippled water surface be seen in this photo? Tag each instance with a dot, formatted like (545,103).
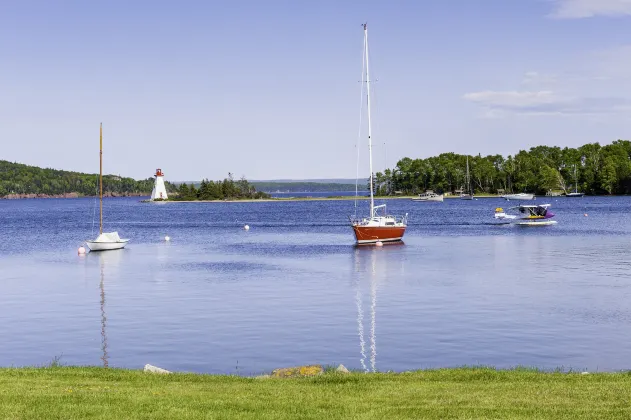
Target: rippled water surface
(294,289)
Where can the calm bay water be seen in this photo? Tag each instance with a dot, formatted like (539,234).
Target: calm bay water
(294,289)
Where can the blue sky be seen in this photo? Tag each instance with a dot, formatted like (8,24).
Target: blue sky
(269,89)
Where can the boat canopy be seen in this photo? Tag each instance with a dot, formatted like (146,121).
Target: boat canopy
(531,206)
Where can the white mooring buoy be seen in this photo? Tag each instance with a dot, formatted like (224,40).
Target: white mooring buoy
(246,227)
(81,250)
(167,238)
(379,243)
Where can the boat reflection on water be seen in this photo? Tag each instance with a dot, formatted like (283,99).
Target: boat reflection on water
(370,263)
(107,260)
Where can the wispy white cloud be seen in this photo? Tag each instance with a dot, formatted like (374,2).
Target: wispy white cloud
(512,99)
(579,9)
(496,104)
(534,79)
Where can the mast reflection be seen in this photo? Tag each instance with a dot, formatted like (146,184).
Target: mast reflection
(108,260)
(371,261)
(104,357)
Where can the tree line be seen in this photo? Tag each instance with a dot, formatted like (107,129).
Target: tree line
(599,170)
(17,178)
(302,186)
(228,189)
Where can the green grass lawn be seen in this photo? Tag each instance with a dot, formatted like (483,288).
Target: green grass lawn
(77,393)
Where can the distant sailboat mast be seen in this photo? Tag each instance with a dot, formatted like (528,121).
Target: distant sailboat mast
(468,179)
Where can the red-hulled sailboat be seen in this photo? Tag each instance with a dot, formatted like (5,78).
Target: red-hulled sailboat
(379,226)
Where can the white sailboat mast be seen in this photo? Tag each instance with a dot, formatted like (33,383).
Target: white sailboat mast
(101,179)
(372,198)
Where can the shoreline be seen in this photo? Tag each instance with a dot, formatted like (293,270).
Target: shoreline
(263,200)
(344,198)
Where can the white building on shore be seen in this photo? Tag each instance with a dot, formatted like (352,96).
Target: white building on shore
(159,190)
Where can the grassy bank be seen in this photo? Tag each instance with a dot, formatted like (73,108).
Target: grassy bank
(74,392)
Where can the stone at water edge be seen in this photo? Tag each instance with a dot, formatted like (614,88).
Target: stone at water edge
(292,372)
(342,369)
(155,369)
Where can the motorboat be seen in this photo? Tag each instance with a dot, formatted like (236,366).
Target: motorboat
(519,196)
(527,215)
(429,196)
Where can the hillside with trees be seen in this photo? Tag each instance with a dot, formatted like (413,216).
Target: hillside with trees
(21,180)
(227,189)
(600,170)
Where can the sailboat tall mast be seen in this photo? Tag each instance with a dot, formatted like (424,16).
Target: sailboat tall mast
(468,179)
(372,198)
(101,179)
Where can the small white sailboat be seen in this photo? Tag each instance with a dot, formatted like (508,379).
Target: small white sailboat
(468,195)
(575,193)
(109,240)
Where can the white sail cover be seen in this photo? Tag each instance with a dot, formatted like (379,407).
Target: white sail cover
(108,237)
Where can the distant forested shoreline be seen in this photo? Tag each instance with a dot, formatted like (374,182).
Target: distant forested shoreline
(24,181)
(600,170)
(227,189)
(591,168)
(301,186)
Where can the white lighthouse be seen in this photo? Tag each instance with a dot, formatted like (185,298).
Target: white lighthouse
(159,191)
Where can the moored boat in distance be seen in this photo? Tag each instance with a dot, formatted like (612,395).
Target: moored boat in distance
(429,195)
(377,227)
(519,196)
(469,194)
(575,193)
